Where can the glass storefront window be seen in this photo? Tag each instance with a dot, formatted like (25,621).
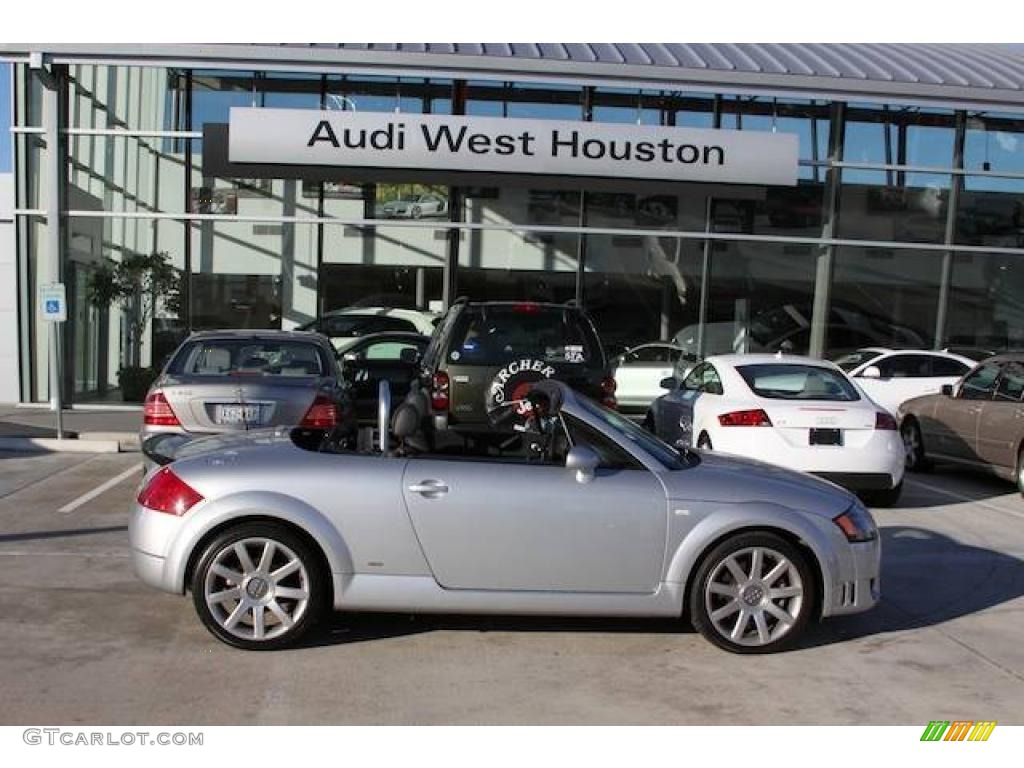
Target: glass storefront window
(994,142)
(986,301)
(794,211)
(809,120)
(988,217)
(509,262)
(760,299)
(383,266)
(546,102)
(641,289)
(896,136)
(883,297)
(895,212)
(623,105)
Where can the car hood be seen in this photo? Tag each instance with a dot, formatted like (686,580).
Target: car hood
(732,479)
(916,404)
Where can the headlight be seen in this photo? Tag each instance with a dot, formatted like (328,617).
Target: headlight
(857,524)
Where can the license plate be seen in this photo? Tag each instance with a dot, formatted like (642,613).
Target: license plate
(237,414)
(826,437)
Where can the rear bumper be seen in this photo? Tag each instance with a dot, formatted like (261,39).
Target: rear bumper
(860,481)
(151,535)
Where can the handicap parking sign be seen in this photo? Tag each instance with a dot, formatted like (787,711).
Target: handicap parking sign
(53,302)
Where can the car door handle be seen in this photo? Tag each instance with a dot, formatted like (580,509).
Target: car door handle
(429,487)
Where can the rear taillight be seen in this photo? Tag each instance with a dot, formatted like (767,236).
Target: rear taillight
(752,418)
(166,492)
(322,414)
(885,421)
(440,387)
(526,308)
(157,411)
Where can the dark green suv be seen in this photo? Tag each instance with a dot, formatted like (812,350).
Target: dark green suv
(484,356)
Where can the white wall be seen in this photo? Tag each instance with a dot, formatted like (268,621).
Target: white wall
(8,294)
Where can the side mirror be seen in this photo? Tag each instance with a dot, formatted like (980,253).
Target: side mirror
(947,390)
(584,461)
(409,355)
(871,372)
(669,383)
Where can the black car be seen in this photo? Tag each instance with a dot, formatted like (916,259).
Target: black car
(393,357)
(485,355)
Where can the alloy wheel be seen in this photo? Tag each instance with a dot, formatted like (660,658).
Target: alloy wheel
(257,589)
(911,445)
(754,596)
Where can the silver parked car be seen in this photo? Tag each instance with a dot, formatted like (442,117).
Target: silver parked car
(587,515)
(238,380)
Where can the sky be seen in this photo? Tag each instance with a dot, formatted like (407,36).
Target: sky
(5,117)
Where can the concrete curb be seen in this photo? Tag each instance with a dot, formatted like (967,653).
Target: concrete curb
(61,446)
(128,441)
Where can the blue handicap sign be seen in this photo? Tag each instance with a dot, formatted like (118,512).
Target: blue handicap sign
(52,307)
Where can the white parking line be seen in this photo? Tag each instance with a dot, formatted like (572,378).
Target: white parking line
(961,497)
(71,506)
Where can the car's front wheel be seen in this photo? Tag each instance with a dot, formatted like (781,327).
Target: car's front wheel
(258,586)
(1020,471)
(753,593)
(915,459)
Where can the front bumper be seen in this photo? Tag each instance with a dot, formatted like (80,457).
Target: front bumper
(856,583)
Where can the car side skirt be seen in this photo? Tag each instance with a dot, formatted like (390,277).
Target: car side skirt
(422,594)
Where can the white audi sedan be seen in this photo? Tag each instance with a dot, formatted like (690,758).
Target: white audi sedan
(797,412)
(890,377)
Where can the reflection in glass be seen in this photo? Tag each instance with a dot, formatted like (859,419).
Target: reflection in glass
(760,298)
(914,214)
(986,301)
(994,218)
(641,289)
(883,297)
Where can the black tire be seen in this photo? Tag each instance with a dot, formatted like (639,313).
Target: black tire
(704,442)
(415,212)
(916,458)
(700,601)
(311,578)
(1020,471)
(886,498)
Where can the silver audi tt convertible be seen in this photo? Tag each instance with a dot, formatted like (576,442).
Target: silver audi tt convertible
(576,512)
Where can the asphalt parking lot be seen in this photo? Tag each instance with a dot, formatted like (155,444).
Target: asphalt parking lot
(82,642)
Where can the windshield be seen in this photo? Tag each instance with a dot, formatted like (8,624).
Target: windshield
(248,357)
(793,381)
(495,335)
(851,360)
(633,433)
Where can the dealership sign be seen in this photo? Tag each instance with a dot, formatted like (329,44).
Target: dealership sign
(508,145)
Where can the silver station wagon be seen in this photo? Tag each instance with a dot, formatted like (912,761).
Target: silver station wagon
(577,512)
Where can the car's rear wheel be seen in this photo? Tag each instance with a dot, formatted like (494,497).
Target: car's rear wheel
(913,447)
(258,586)
(753,593)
